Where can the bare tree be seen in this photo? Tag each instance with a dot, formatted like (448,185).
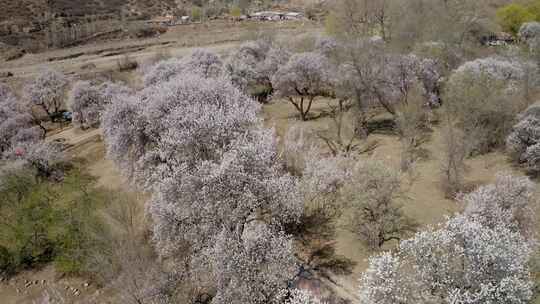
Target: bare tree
(355,18)
(340,139)
(374,213)
(453,166)
(412,126)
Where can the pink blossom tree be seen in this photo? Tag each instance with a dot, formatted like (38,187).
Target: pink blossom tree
(88,101)
(304,78)
(523,143)
(162,71)
(199,146)
(16,125)
(48,91)
(200,61)
(258,266)
(510,201)
(252,66)
(462,261)
(204,62)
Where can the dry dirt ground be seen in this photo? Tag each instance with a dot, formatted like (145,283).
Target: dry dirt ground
(426,202)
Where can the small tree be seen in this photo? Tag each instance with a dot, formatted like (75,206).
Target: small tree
(321,181)
(48,91)
(242,65)
(304,78)
(477,97)
(88,101)
(252,66)
(372,77)
(374,214)
(453,167)
(204,62)
(16,125)
(341,137)
(47,159)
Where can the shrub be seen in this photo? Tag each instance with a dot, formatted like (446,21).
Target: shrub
(43,221)
(27,217)
(78,232)
(6,262)
(196,13)
(235,12)
(512,16)
(126,63)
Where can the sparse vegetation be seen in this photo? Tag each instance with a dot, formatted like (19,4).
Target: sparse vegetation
(126,63)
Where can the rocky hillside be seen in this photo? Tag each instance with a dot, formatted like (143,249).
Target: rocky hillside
(35,10)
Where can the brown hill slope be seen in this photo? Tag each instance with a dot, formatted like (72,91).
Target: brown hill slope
(34,10)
